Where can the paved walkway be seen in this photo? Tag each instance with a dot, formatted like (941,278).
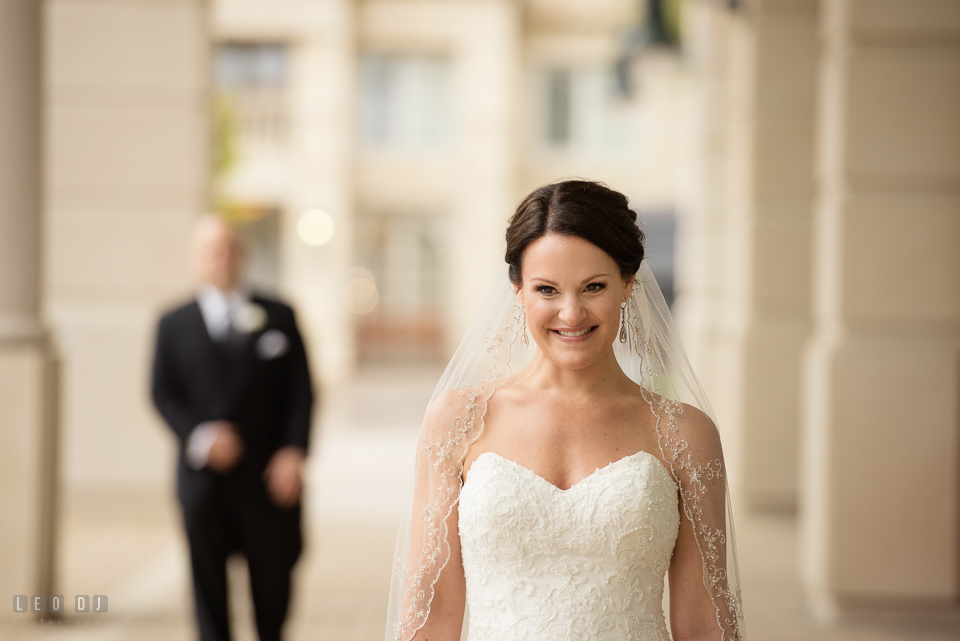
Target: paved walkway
(126,543)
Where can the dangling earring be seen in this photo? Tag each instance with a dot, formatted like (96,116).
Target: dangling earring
(623,323)
(524,341)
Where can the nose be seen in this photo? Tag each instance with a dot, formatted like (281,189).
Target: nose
(572,313)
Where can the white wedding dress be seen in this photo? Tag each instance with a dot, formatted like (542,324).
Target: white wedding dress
(587,563)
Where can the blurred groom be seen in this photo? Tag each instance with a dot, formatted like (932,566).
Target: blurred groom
(230,377)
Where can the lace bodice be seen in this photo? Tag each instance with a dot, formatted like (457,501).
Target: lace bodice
(545,564)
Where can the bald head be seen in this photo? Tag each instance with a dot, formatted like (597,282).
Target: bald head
(217,253)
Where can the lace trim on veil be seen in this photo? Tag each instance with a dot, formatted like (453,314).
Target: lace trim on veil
(445,457)
(692,475)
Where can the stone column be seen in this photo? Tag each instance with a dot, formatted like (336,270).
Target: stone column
(27,455)
(323,137)
(700,180)
(126,174)
(486,99)
(702,197)
(880,502)
(765,245)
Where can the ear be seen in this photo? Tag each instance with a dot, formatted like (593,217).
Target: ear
(518,290)
(627,287)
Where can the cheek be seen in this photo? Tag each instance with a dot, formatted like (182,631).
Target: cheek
(608,310)
(539,314)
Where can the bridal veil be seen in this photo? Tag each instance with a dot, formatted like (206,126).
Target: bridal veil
(494,348)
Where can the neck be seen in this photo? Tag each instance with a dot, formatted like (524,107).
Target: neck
(601,377)
(232,287)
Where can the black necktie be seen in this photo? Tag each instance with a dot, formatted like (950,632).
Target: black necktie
(235,338)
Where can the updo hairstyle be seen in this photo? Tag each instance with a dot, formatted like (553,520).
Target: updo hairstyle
(581,208)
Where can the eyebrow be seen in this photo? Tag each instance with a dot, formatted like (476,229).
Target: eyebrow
(585,280)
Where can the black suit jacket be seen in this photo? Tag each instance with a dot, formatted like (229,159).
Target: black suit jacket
(270,399)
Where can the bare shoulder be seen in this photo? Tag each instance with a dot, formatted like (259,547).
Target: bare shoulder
(689,422)
(456,407)
(696,420)
(688,419)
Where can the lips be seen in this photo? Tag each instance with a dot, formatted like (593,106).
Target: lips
(574,334)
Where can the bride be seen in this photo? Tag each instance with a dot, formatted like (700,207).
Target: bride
(568,463)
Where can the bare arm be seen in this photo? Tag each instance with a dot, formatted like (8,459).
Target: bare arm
(450,592)
(692,615)
(433,585)
(700,555)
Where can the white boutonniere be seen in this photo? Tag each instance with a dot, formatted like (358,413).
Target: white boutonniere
(251,318)
(272,344)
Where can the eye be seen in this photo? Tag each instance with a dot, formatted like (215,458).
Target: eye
(596,287)
(546,290)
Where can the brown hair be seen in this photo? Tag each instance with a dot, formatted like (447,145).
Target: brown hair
(588,210)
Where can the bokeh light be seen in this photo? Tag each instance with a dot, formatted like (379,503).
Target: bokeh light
(315,227)
(360,294)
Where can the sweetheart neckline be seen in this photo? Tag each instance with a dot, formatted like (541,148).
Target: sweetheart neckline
(592,474)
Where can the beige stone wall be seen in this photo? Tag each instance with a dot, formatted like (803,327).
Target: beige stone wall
(125,175)
(824,158)
(880,493)
(25,531)
(763,315)
(702,192)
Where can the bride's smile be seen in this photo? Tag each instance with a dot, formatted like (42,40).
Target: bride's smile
(574,335)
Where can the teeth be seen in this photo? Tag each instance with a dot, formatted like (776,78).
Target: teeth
(573,334)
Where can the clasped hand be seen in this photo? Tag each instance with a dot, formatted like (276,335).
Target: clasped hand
(283,474)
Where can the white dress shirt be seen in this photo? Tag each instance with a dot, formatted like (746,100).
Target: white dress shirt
(220,310)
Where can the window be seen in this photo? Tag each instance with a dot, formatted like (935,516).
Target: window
(404,101)
(247,64)
(251,84)
(400,254)
(580,109)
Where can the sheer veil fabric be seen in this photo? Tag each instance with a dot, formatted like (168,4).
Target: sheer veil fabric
(491,351)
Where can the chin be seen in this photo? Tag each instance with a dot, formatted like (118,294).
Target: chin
(576,356)
(573,361)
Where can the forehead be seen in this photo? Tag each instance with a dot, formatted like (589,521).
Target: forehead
(215,235)
(557,256)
